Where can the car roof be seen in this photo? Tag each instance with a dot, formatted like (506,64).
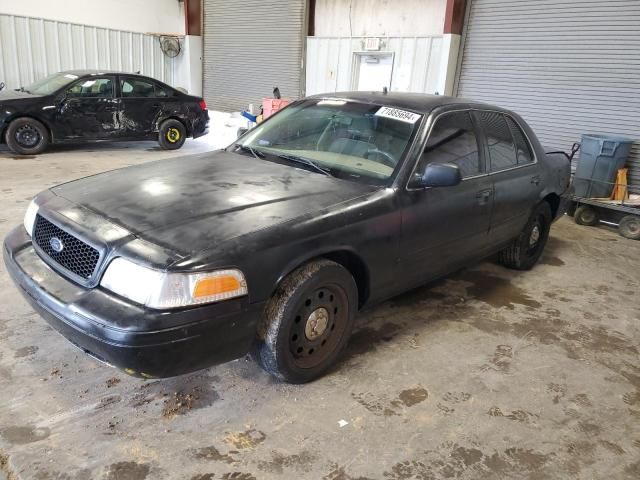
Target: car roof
(418,102)
(88,72)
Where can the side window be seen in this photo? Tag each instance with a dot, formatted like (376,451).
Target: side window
(502,152)
(452,140)
(135,88)
(523,148)
(162,92)
(92,88)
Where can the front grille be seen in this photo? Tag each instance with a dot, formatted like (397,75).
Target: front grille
(75,255)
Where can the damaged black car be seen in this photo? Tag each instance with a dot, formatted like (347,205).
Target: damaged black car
(88,105)
(274,244)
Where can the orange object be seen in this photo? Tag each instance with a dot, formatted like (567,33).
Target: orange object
(272,105)
(620,191)
(216,285)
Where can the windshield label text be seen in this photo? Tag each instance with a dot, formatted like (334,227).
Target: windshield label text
(397,114)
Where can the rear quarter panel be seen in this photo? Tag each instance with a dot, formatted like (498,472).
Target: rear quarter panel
(554,170)
(185,108)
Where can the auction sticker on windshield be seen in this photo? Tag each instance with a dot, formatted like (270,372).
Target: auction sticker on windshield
(397,114)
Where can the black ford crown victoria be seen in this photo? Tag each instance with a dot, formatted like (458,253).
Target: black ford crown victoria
(274,244)
(90,105)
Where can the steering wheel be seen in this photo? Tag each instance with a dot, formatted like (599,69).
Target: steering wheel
(386,158)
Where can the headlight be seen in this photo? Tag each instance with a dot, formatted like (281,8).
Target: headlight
(30,217)
(162,290)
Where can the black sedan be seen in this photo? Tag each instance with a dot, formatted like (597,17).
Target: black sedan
(274,244)
(87,105)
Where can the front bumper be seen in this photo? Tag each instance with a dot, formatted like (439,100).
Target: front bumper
(110,328)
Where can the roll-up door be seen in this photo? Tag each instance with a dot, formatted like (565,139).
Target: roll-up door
(567,66)
(251,46)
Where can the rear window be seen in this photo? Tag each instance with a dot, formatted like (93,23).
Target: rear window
(502,152)
(137,88)
(523,148)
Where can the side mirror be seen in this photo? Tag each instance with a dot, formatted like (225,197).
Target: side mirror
(241,131)
(441,175)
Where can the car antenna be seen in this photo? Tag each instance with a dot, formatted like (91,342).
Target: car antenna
(385,90)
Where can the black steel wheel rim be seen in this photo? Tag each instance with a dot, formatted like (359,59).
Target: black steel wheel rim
(27,136)
(535,239)
(318,325)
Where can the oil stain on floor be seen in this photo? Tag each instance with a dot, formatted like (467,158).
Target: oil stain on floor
(22,435)
(496,291)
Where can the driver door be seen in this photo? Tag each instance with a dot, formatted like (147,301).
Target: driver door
(445,227)
(89,110)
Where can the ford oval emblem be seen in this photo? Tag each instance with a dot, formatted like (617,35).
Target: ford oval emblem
(56,244)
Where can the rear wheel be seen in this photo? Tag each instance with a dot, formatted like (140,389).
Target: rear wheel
(171,134)
(307,322)
(629,227)
(27,136)
(586,215)
(524,251)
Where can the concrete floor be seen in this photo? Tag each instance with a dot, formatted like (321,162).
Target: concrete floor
(489,373)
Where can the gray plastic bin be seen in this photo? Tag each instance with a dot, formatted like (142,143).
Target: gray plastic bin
(601,156)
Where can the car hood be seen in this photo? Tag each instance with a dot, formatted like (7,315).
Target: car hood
(11,95)
(191,204)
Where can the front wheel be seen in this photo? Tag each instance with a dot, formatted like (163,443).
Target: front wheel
(171,134)
(307,322)
(526,249)
(27,136)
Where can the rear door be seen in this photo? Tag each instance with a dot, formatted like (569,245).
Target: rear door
(445,227)
(88,109)
(514,174)
(143,102)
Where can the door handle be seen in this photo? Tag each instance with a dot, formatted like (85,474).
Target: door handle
(535,179)
(484,195)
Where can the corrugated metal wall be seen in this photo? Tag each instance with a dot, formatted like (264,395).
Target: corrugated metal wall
(251,46)
(31,48)
(568,66)
(416,63)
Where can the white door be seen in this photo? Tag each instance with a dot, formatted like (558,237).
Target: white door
(373,71)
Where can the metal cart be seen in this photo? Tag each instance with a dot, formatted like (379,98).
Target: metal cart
(623,213)
(586,210)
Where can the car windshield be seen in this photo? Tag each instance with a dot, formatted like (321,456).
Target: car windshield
(351,140)
(50,84)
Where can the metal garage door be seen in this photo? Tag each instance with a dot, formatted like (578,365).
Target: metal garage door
(251,46)
(567,66)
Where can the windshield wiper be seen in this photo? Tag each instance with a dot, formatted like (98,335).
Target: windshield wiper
(246,148)
(304,161)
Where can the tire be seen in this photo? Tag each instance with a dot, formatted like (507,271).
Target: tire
(307,322)
(27,136)
(586,215)
(526,249)
(171,134)
(629,227)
